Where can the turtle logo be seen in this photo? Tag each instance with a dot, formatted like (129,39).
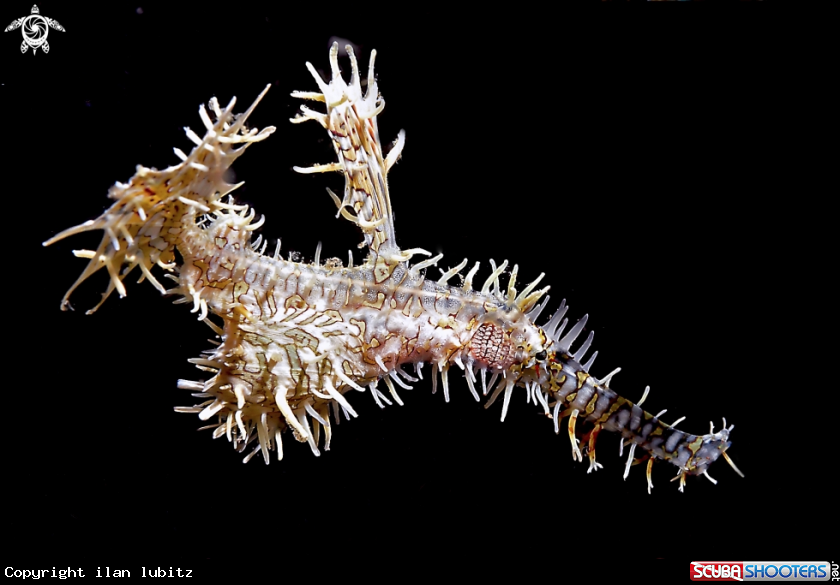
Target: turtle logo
(35,28)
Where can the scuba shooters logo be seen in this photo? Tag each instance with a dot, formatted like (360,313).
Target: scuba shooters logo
(717,571)
(763,571)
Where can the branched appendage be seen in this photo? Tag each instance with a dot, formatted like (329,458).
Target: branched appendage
(351,122)
(277,373)
(158,211)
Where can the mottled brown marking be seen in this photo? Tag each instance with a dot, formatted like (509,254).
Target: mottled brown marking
(590,408)
(239,289)
(377,304)
(695,445)
(303,339)
(295,301)
(557,383)
(272,304)
(361,325)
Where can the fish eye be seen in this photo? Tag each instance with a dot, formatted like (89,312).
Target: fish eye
(540,357)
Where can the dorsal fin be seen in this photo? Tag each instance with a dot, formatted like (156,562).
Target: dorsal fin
(351,121)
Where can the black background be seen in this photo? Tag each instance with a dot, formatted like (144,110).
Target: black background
(629,155)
